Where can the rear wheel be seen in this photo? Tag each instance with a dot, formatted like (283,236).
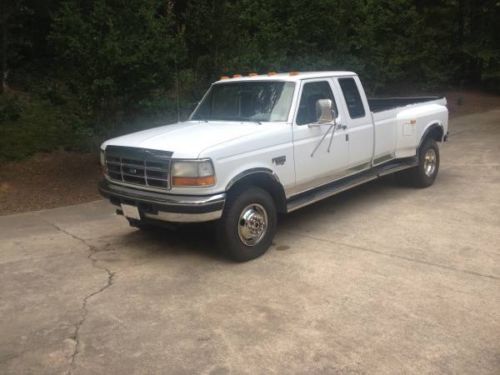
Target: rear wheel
(424,174)
(248,224)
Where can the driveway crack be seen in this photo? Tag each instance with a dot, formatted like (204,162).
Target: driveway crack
(93,250)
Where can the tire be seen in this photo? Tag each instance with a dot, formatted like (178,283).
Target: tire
(424,174)
(248,224)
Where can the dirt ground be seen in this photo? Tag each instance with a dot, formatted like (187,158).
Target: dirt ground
(47,181)
(63,178)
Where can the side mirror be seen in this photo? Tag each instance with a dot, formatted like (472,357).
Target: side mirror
(325,112)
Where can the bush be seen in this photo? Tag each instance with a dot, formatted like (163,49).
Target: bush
(31,124)
(10,108)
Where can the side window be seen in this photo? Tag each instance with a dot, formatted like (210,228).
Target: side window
(352,97)
(311,93)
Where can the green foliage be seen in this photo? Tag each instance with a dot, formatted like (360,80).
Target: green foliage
(115,53)
(30,124)
(388,42)
(83,70)
(10,108)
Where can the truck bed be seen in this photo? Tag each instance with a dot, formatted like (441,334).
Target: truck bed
(384,104)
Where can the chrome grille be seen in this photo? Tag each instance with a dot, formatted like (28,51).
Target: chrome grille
(138,166)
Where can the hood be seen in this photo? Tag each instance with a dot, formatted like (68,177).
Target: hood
(186,139)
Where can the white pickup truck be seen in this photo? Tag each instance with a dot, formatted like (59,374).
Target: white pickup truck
(261,145)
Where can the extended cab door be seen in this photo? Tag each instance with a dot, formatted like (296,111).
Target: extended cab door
(359,124)
(317,161)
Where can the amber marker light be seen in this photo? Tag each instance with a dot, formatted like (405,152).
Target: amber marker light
(236,75)
(272,73)
(223,78)
(252,74)
(193,181)
(294,73)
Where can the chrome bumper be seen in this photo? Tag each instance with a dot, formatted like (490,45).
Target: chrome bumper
(165,207)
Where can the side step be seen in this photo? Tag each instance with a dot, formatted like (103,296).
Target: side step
(393,166)
(314,195)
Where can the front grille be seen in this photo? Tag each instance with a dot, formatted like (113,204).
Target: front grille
(138,166)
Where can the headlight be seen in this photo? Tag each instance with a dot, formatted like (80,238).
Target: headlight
(192,173)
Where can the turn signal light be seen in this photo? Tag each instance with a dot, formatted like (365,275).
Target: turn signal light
(193,181)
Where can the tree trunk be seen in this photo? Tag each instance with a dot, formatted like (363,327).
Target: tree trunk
(476,35)
(4,56)
(460,23)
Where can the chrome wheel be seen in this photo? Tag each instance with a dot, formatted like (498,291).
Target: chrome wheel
(430,161)
(252,225)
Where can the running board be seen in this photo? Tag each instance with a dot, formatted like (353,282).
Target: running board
(314,195)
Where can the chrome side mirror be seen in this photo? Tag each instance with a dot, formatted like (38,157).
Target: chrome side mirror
(325,111)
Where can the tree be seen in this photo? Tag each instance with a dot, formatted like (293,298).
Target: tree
(11,13)
(115,52)
(478,32)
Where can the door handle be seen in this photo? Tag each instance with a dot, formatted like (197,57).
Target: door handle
(341,127)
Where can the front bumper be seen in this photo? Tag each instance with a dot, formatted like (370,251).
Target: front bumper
(163,206)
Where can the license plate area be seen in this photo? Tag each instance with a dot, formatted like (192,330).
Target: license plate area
(132,212)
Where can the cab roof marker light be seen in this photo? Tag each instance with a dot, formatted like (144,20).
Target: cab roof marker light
(236,75)
(223,78)
(294,73)
(272,73)
(252,74)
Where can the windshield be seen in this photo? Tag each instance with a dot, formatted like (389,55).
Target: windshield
(247,101)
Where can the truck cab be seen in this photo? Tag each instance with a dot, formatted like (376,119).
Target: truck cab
(261,145)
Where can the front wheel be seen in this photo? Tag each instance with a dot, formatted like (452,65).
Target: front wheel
(248,224)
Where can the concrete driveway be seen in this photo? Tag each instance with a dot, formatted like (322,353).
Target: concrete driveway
(381,279)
